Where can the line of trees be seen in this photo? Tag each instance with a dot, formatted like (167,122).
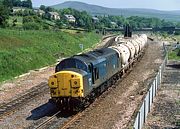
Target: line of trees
(83,19)
(18,3)
(6,9)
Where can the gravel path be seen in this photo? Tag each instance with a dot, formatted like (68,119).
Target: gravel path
(166,107)
(115,107)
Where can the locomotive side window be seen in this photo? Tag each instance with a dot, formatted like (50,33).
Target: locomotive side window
(90,68)
(96,72)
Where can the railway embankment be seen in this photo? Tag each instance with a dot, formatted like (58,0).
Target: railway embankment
(21,51)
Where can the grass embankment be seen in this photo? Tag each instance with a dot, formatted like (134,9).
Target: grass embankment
(21,51)
(173,55)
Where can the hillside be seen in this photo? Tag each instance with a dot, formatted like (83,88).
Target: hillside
(21,51)
(99,10)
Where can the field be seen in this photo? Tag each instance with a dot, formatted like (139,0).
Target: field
(21,51)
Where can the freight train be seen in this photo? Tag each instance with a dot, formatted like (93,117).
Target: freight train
(83,77)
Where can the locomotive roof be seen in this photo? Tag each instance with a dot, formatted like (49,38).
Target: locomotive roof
(95,56)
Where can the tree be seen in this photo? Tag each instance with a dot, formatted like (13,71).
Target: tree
(43,7)
(27,4)
(4,13)
(178,24)
(27,19)
(17,3)
(2,16)
(59,23)
(8,3)
(49,9)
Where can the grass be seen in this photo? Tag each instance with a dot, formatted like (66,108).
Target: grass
(21,51)
(173,55)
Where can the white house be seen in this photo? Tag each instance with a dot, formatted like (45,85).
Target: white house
(53,15)
(70,18)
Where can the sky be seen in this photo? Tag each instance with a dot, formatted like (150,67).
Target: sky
(150,4)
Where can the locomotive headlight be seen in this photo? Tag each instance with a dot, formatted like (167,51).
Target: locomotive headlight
(75,82)
(52,83)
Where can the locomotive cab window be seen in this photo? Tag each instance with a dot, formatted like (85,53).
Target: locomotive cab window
(71,63)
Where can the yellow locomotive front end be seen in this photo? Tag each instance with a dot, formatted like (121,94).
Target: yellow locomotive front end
(66,84)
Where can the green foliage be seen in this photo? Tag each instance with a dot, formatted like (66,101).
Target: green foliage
(31,26)
(177,33)
(8,3)
(46,27)
(17,3)
(59,23)
(3,16)
(49,9)
(21,51)
(21,3)
(174,55)
(83,19)
(34,23)
(98,10)
(43,7)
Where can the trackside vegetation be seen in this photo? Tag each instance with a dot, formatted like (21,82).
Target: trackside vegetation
(174,54)
(21,51)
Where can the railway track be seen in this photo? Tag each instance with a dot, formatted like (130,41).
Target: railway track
(110,42)
(58,122)
(16,103)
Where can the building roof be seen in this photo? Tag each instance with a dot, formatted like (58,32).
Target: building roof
(53,13)
(69,16)
(39,10)
(113,23)
(95,18)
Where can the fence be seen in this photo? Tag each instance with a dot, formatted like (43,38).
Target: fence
(149,98)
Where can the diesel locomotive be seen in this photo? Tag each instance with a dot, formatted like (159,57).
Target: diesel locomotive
(82,77)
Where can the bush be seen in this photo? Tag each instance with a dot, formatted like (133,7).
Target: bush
(27,19)
(46,27)
(31,26)
(177,33)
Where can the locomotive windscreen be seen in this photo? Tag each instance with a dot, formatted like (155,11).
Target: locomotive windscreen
(71,63)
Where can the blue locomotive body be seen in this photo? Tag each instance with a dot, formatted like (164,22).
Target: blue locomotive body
(95,68)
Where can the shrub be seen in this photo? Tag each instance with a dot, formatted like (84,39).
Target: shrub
(46,27)
(31,26)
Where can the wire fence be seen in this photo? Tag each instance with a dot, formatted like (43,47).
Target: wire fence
(149,97)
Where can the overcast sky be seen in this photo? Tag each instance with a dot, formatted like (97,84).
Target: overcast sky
(151,4)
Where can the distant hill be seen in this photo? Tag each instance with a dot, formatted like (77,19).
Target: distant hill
(99,10)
